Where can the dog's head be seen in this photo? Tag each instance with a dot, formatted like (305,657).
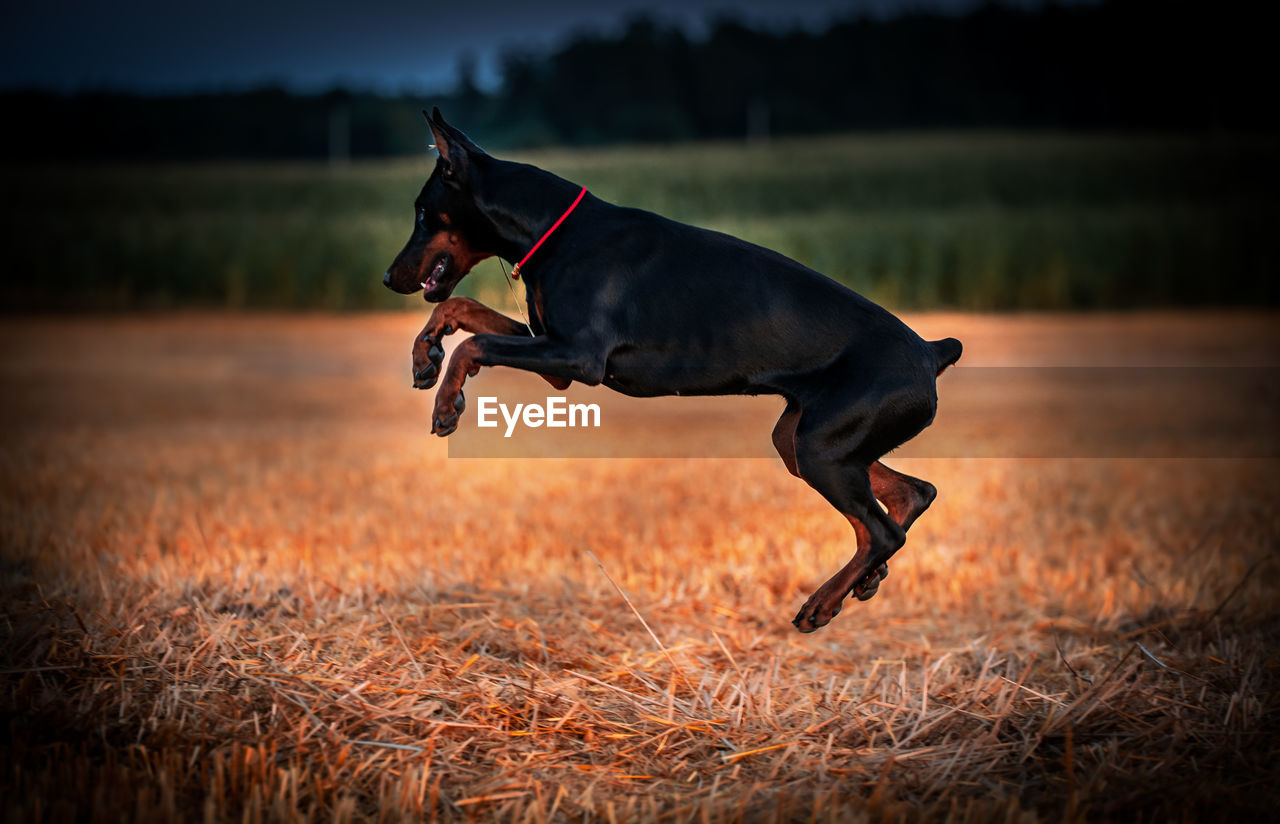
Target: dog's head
(447,222)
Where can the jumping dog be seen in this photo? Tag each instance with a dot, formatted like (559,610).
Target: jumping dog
(648,306)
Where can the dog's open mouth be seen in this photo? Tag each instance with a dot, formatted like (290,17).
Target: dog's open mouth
(439,269)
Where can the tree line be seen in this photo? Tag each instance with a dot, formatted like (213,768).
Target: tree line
(1123,64)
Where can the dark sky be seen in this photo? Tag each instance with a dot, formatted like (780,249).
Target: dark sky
(312,45)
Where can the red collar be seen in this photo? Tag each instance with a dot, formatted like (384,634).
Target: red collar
(515,272)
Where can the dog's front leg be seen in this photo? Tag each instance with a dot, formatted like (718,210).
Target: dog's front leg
(466,315)
(564,361)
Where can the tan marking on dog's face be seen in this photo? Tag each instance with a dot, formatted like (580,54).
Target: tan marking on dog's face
(452,242)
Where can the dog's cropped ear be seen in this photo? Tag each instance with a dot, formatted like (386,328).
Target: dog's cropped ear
(455,147)
(438,134)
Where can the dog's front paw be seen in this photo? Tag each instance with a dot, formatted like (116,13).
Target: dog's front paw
(445,420)
(428,360)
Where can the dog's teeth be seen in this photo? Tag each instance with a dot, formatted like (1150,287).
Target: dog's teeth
(423,284)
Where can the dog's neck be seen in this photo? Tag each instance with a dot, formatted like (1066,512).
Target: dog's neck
(519,203)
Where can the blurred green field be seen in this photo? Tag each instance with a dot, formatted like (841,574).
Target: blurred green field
(966,221)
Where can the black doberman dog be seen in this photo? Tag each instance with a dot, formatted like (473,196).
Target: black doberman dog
(648,306)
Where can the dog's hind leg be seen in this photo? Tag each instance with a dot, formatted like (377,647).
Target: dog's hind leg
(846,484)
(465,315)
(837,453)
(906,497)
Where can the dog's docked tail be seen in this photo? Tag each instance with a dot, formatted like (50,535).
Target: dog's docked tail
(947,351)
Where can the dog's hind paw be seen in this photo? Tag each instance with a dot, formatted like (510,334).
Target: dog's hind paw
(818,611)
(826,603)
(813,616)
(867,587)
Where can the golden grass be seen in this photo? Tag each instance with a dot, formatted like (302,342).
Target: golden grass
(242,583)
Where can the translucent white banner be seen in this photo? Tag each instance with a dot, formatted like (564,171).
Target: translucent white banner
(996,412)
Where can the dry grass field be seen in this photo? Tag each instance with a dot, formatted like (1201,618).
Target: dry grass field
(242,583)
